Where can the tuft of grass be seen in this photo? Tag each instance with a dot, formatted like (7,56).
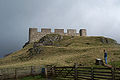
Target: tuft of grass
(39,77)
(116,53)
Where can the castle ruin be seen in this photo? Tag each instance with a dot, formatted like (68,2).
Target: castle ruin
(34,35)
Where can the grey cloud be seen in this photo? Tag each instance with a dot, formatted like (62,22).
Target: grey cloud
(99,17)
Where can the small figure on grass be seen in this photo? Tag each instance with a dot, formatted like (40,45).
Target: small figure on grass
(105,56)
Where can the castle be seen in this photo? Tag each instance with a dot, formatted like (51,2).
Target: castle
(34,35)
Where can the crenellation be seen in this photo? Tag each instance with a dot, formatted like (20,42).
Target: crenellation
(34,35)
(46,30)
(77,34)
(83,32)
(71,32)
(59,31)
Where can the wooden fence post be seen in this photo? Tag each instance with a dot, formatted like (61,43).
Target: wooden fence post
(1,75)
(76,72)
(92,73)
(113,73)
(53,71)
(46,72)
(31,73)
(16,73)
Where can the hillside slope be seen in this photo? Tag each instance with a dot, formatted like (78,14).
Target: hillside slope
(63,51)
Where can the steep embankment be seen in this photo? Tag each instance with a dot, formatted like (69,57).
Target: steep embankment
(63,50)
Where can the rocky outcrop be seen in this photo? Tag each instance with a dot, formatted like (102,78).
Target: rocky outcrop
(108,41)
(47,40)
(50,39)
(34,51)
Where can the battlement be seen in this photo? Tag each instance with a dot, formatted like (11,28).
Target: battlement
(34,35)
(45,30)
(59,31)
(71,32)
(83,32)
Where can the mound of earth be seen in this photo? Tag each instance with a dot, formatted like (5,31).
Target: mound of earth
(60,50)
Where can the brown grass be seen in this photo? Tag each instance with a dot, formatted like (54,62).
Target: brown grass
(83,50)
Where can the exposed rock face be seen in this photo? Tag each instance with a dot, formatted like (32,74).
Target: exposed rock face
(107,41)
(37,44)
(34,51)
(44,41)
(50,39)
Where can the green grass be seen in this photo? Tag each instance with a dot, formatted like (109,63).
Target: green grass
(39,77)
(66,52)
(33,78)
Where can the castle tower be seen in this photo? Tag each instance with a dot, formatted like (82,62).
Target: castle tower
(71,32)
(83,32)
(32,32)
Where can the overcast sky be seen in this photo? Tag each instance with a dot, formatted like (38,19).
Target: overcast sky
(99,17)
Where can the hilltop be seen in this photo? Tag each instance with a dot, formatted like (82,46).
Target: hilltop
(60,50)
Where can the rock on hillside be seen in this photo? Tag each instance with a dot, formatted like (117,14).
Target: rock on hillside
(49,39)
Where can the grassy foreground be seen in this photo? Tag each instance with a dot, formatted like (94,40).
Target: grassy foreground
(41,78)
(66,52)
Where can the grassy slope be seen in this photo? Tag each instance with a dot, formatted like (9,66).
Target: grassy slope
(83,50)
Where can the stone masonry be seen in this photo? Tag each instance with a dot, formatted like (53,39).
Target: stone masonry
(59,31)
(83,32)
(34,35)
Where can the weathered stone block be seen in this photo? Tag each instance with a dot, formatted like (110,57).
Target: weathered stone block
(32,34)
(59,31)
(83,32)
(46,30)
(71,32)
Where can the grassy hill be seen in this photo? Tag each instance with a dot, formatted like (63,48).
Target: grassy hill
(64,51)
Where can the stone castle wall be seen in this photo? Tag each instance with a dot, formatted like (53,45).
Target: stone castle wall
(34,35)
(83,32)
(46,30)
(59,31)
(71,32)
